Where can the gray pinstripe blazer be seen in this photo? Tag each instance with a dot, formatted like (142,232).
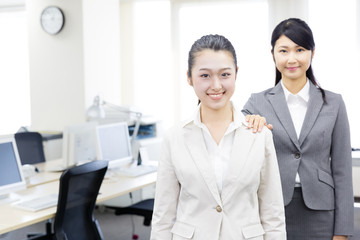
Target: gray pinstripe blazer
(321,155)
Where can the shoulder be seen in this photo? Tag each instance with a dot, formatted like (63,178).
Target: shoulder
(332,95)
(264,135)
(177,130)
(263,93)
(333,99)
(260,96)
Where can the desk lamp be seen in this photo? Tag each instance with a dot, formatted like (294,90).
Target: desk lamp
(96,112)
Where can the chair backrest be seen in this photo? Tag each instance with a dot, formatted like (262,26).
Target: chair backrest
(30,147)
(79,187)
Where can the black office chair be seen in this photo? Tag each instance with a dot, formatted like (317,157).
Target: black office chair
(74,219)
(30,147)
(143,208)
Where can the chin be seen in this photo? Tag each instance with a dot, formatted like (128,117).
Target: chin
(217,106)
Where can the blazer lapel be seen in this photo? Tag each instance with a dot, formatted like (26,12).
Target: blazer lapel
(239,155)
(196,145)
(314,106)
(277,99)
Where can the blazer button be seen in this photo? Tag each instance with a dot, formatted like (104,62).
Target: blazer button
(297,155)
(218,208)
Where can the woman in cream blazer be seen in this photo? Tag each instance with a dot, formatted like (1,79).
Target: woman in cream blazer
(217,179)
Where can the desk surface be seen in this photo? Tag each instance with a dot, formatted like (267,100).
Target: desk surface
(12,218)
(43,176)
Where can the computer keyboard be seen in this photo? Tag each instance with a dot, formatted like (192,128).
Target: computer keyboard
(135,171)
(39,203)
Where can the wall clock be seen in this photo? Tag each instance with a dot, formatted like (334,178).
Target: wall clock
(52,20)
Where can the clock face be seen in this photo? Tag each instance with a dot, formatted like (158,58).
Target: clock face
(52,20)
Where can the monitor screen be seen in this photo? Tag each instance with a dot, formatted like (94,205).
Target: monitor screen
(79,143)
(151,147)
(113,144)
(11,176)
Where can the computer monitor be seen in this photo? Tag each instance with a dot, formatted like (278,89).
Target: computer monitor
(150,149)
(79,143)
(11,175)
(113,144)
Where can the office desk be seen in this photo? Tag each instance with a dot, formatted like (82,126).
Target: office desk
(43,176)
(12,218)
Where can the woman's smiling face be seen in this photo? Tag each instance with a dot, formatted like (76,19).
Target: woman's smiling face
(213,78)
(291,60)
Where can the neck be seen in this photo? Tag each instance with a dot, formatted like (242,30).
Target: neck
(211,116)
(294,86)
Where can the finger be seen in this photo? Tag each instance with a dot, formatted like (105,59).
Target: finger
(270,126)
(256,123)
(262,122)
(247,117)
(251,121)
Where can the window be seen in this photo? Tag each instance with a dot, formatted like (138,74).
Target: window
(163,34)
(152,59)
(14,74)
(336,61)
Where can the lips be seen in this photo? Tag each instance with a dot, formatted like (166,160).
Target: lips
(215,96)
(292,68)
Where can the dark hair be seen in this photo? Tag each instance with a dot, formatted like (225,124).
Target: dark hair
(300,33)
(213,42)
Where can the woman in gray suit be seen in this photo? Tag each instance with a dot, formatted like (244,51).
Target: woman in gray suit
(312,140)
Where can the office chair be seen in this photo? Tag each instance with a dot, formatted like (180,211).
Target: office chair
(143,208)
(30,147)
(74,218)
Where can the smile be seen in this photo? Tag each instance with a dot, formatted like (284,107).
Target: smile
(216,96)
(292,68)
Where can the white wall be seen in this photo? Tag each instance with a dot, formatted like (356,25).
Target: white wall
(127,52)
(57,84)
(101,41)
(68,69)
(283,9)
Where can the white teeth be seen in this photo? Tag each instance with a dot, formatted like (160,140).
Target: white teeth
(216,95)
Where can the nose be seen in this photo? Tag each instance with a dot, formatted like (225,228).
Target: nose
(292,57)
(216,84)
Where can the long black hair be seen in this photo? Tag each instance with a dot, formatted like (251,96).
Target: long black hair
(300,33)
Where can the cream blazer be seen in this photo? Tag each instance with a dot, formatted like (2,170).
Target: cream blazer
(187,201)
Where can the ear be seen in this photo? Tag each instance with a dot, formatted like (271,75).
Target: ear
(313,53)
(189,78)
(272,53)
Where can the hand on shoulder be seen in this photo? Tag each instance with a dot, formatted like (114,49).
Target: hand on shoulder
(257,122)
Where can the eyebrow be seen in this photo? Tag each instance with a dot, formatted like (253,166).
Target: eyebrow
(297,46)
(209,69)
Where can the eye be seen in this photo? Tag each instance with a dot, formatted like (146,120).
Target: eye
(282,51)
(225,74)
(205,75)
(301,50)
